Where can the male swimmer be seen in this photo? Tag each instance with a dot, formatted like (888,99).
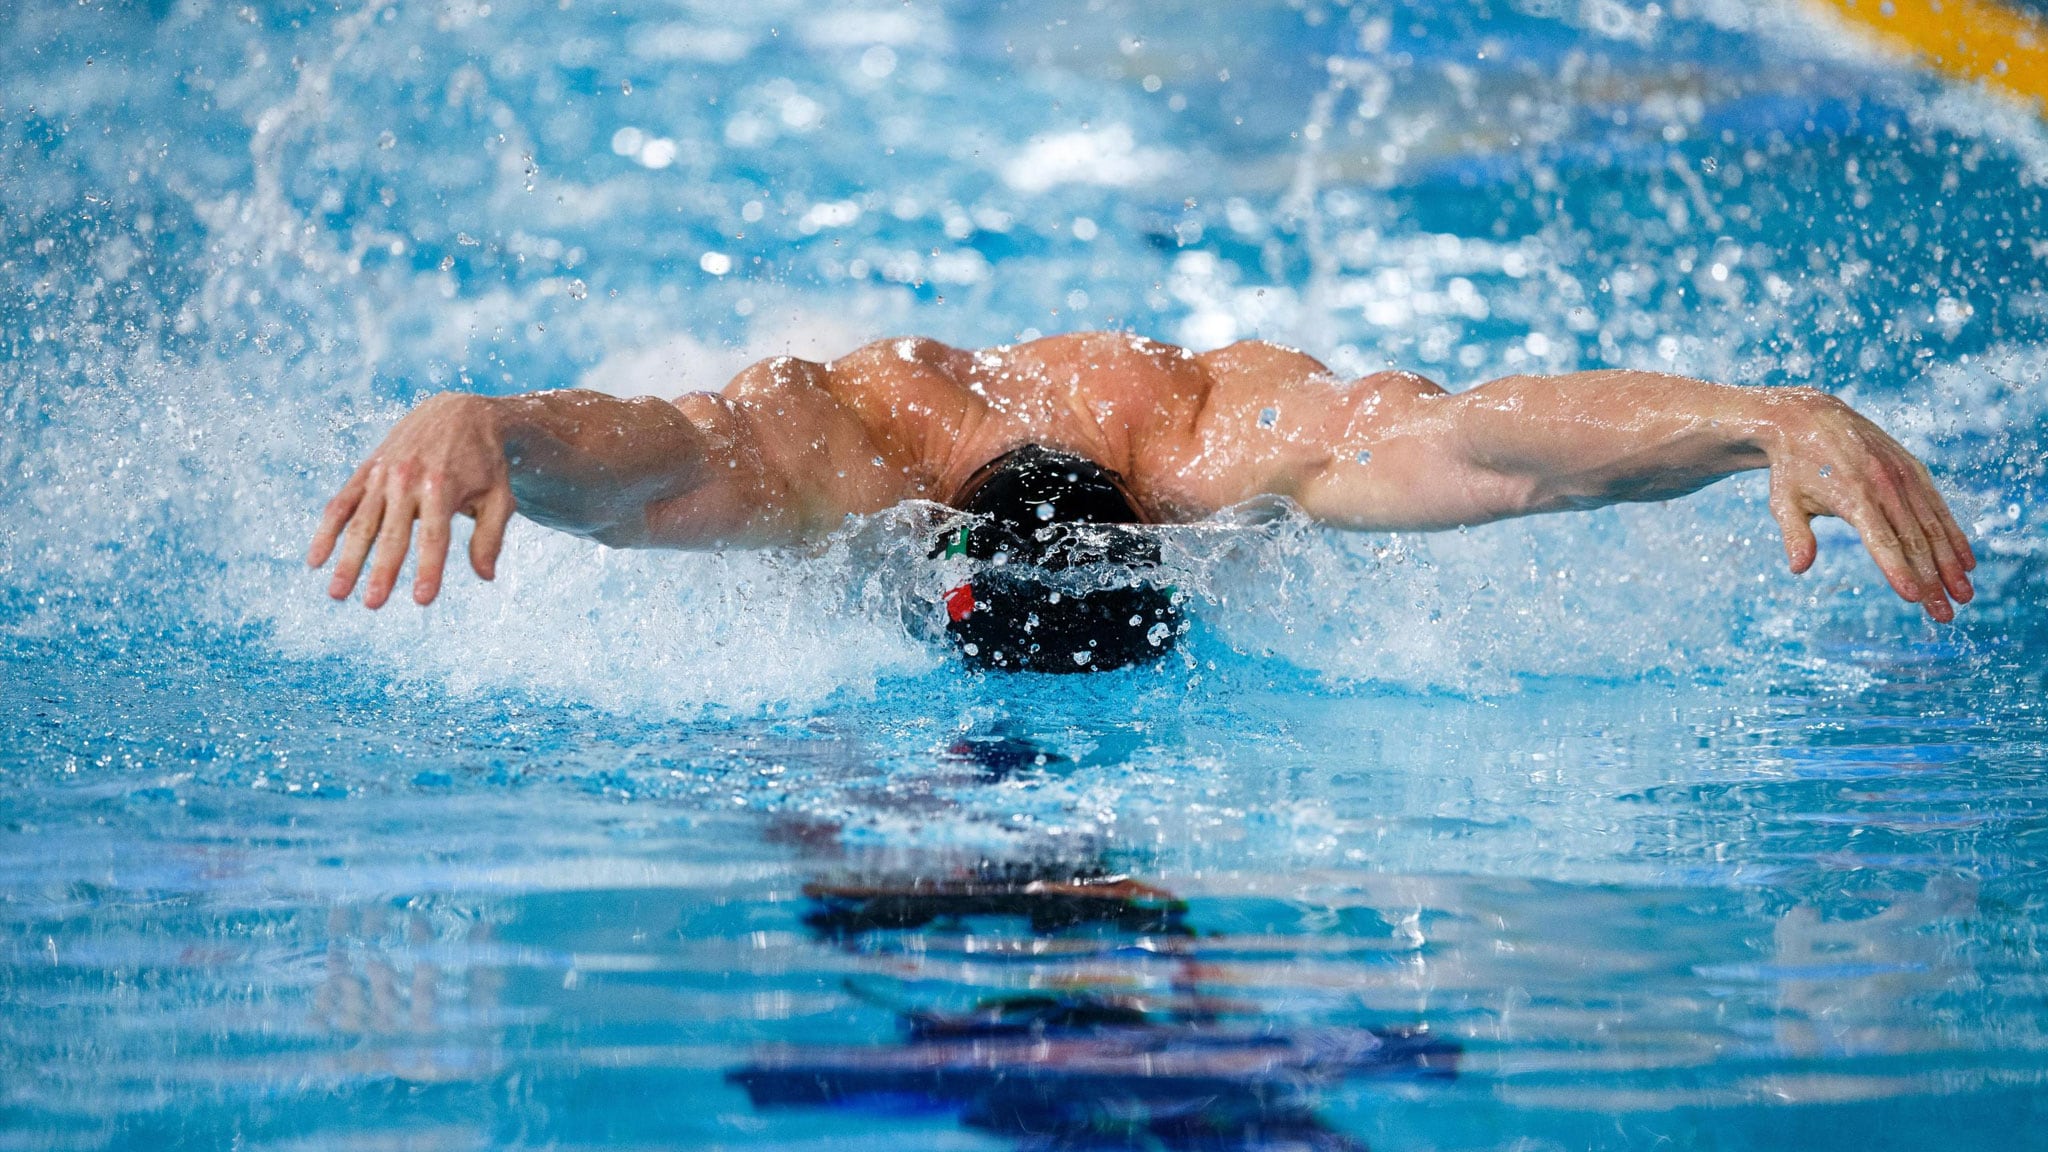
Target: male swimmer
(1052,445)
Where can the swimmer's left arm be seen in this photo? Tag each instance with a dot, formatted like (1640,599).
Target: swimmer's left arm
(774,459)
(1402,453)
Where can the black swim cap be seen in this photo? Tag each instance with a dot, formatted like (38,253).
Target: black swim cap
(1038,512)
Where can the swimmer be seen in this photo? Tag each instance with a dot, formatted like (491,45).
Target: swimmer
(1056,444)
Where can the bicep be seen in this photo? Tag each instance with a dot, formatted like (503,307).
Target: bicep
(1397,458)
(784,462)
(1378,453)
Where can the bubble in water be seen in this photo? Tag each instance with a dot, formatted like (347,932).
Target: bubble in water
(878,62)
(1044,511)
(658,153)
(578,289)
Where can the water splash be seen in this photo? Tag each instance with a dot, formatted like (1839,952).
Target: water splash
(308,242)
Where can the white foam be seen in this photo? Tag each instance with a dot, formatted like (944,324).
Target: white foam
(1108,156)
(186,483)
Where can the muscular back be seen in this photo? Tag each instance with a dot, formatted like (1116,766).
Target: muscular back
(1189,433)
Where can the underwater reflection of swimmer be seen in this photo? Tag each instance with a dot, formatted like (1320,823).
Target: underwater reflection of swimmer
(1049,899)
(1059,450)
(384,983)
(1001,757)
(1076,1068)
(1843,984)
(1079,1066)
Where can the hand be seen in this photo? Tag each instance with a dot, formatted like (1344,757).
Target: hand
(1826,460)
(446,456)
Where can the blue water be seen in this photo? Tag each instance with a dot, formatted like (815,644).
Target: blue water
(1647,842)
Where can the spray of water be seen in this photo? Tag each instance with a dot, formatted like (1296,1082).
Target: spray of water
(215,312)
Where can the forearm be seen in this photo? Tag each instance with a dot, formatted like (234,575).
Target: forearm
(1596,438)
(1586,439)
(591,464)
(1398,453)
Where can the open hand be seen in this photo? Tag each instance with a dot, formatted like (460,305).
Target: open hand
(446,456)
(1826,460)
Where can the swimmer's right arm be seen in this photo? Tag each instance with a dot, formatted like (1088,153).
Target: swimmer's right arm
(773,460)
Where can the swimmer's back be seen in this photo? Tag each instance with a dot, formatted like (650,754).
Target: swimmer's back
(1146,410)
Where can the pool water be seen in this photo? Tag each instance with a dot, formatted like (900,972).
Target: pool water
(1594,831)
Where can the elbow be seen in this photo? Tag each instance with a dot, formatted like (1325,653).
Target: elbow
(610,531)
(1537,496)
(626,532)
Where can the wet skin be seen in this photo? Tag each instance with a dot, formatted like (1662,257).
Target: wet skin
(790,448)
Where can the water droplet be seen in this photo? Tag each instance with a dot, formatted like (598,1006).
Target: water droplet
(1044,511)
(1827,470)
(1268,417)
(578,290)
(625,87)
(1365,455)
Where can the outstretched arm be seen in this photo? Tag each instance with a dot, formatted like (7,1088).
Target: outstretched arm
(775,459)
(1395,451)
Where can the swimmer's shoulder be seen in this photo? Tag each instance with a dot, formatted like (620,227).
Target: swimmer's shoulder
(1264,363)
(1397,384)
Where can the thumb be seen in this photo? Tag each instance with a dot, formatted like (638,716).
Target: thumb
(1795,523)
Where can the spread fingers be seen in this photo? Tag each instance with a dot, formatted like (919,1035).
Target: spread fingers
(1795,523)
(491,516)
(392,541)
(1957,539)
(1882,542)
(1898,509)
(355,546)
(1955,574)
(332,520)
(434,530)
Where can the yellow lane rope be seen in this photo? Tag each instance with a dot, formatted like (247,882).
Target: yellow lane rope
(1970,39)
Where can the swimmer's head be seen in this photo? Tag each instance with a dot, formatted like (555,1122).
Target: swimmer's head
(1037,512)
